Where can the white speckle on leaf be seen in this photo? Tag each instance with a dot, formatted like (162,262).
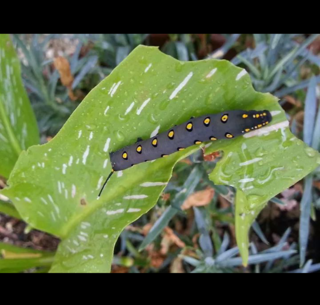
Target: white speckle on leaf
(105,112)
(119,174)
(135,197)
(247,188)
(129,108)
(144,104)
(50,198)
(59,187)
(85,155)
(100,183)
(66,194)
(82,238)
(115,212)
(155,132)
(132,210)
(70,160)
(105,163)
(4,198)
(85,224)
(245,180)
(18,199)
(270,176)
(44,201)
(101,255)
(106,236)
(39,213)
(118,203)
(181,85)
(149,184)
(90,256)
(111,88)
(241,74)
(75,242)
(213,71)
(64,168)
(90,136)
(147,68)
(115,88)
(79,134)
(84,234)
(275,112)
(53,217)
(106,146)
(27,199)
(73,191)
(78,160)
(250,161)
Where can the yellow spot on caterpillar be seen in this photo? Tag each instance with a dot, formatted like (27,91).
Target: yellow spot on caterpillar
(257,115)
(255,127)
(197,142)
(244,116)
(254,116)
(171,134)
(206,121)
(125,156)
(224,118)
(247,130)
(139,149)
(213,138)
(164,155)
(267,123)
(259,125)
(154,142)
(264,114)
(189,126)
(180,148)
(229,135)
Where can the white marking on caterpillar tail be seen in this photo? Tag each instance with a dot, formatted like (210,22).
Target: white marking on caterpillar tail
(106,146)
(115,212)
(64,168)
(79,134)
(132,210)
(155,132)
(39,213)
(82,238)
(135,197)
(245,180)
(129,108)
(70,160)
(66,194)
(149,184)
(147,68)
(59,187)
(250,161)
(44,201)
(105,163)
(85,155)
(275,112)
(120,173)
(111,88)
(181,85)
(213,71)
(90,136)
(144,104)
(73,191)
(27,199)
(100,182)
(265,130)
(241,74)
(115,88)
(105,112)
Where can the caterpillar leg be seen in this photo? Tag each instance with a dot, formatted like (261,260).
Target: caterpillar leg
(105,183)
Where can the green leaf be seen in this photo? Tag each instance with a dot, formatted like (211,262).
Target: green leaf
(18,126)
(55,186)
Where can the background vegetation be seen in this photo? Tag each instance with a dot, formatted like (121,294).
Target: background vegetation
(59,70)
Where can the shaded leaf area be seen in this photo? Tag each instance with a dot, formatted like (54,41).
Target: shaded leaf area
(55,186)
(18,126)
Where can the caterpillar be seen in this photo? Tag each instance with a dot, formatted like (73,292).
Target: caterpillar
(212,127)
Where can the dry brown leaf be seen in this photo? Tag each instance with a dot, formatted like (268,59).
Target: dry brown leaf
(199,198)
(290,99)
(146,228)
(170,239)
(165,196)
(119,269)
(186,160)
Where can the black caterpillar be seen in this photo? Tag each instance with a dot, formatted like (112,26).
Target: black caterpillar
(225,125)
